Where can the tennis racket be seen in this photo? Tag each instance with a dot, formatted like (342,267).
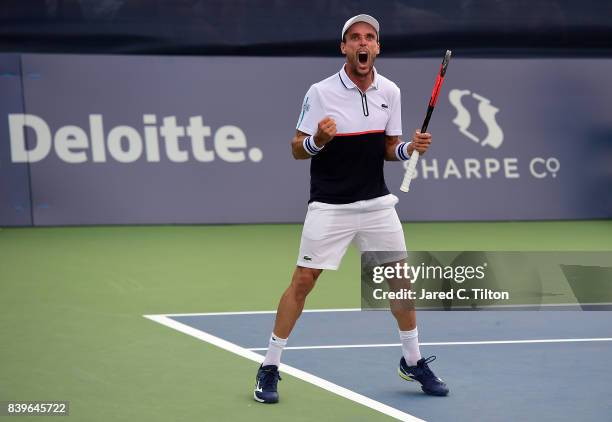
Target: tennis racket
(410,170)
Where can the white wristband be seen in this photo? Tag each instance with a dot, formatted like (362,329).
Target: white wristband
(401,151)
(310,147)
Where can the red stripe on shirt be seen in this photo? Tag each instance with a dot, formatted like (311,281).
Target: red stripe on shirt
(360,133)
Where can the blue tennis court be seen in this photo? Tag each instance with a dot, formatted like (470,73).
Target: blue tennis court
(500,365)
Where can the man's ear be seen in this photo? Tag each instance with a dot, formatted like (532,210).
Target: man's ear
(377,47)
(342,48)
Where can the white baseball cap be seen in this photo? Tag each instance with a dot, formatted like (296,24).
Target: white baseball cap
(361,18)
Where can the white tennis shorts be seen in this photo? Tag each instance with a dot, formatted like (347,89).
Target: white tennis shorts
(372,225)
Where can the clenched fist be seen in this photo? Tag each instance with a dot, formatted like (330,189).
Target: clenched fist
(420,142)
(325,131)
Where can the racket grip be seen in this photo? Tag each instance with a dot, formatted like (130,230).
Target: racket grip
(409,174)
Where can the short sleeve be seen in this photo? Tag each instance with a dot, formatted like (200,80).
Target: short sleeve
(394,125)
(312,112)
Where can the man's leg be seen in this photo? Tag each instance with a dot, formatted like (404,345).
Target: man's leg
(408,332)
(412,366)
(326,235)
(405,315)
(292,301)
(289,310)
(404,312)
(381,230)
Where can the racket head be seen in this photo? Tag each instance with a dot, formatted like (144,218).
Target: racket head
(439,80)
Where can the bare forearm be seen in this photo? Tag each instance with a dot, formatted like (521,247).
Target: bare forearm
(326,131)
(297,147)
(419,142)
(390,150)
(391,143)
(298,151)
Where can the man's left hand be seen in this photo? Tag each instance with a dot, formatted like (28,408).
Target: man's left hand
(420,142)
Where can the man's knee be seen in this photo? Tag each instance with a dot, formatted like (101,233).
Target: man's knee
(304,280)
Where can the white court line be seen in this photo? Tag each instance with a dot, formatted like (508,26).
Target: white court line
(250,354)
(261,312)
(501,307)
(298,373)
(443,343)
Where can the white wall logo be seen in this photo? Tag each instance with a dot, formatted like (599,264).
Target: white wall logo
(487,112)
(126,144)
(483,167)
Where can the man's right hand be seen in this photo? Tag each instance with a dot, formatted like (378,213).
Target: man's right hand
(325,131)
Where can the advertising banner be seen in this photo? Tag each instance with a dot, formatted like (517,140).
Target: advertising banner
(180,140)
(14,178)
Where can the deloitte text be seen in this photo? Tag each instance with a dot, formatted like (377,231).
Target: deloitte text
(126,144)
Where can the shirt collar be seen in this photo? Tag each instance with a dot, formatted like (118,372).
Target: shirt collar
(346,81)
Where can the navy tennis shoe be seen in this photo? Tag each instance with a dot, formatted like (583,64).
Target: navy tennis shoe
(430,384)
(265,387)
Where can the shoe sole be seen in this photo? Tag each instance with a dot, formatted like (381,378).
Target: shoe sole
(404,376)
(431,393)
(257,399)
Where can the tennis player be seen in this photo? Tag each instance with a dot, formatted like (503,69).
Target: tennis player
(350,123)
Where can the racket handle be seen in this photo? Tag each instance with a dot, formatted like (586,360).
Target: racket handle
(405,187)
(409,174)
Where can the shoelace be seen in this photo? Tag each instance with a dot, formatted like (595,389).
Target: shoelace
(425,368)
(270,378)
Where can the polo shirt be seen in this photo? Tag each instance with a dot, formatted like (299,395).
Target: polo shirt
(350,167)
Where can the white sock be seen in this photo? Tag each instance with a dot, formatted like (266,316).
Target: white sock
(275,348)
(410,346)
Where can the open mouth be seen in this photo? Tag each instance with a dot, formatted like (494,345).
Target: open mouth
(362,56)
